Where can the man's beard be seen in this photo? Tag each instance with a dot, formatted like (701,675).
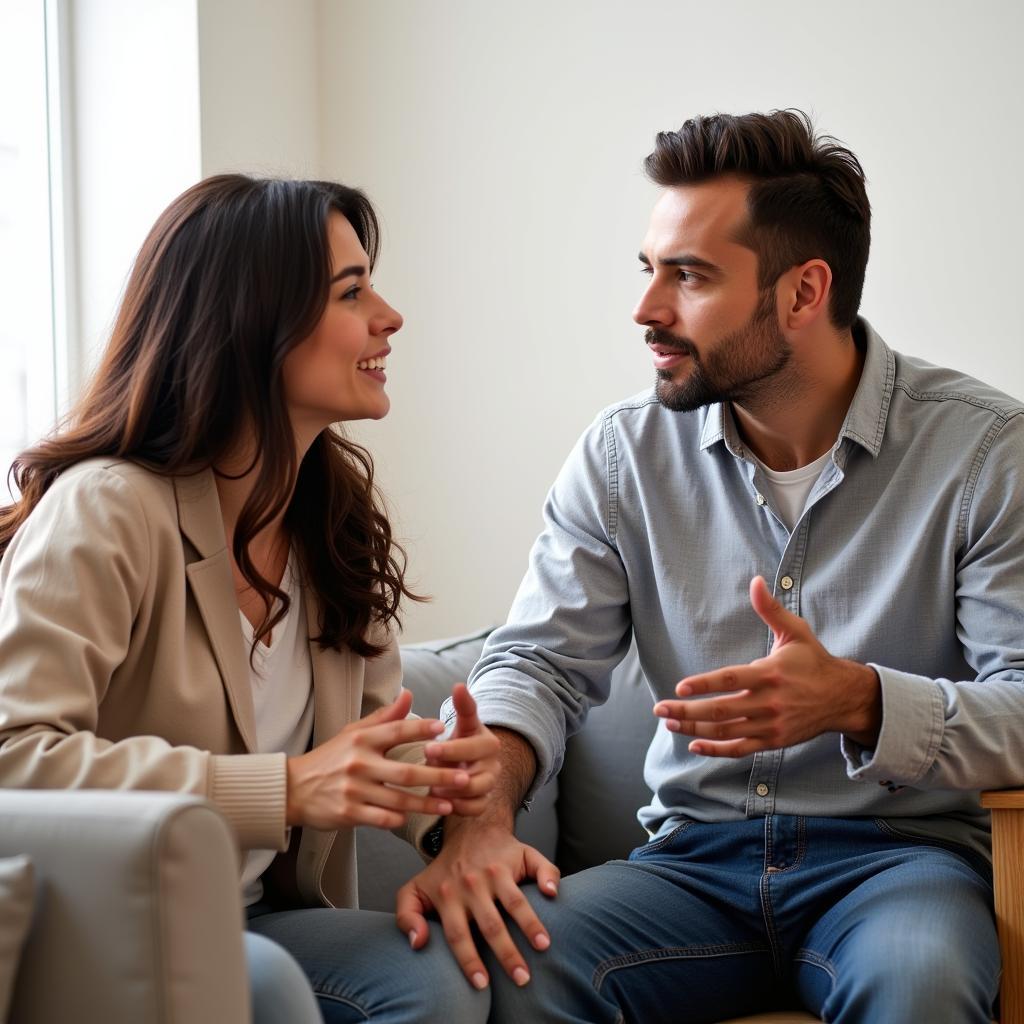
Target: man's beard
(737,368)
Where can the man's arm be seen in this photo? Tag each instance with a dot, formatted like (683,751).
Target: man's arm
(480,866)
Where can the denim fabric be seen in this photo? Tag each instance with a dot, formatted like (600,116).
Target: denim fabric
(361,968)
(714,920)
(909,556)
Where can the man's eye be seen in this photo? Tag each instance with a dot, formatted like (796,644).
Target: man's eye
(687,277)
(646,268)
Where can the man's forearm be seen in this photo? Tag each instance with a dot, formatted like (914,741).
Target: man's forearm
(518,767)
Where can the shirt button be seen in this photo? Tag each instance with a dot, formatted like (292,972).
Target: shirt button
(762,789)
(786,583)
(762,500)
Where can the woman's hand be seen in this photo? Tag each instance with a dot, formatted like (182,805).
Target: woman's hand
(472,747)
(348,781)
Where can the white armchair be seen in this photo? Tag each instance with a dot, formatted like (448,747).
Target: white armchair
(137,913)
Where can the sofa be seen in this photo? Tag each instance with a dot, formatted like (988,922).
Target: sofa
(98,925)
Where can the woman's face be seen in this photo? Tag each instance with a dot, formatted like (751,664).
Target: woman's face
(337,373)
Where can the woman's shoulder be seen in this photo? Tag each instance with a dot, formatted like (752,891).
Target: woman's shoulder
(112,488)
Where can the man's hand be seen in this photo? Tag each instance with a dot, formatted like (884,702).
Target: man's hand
(797,692)
(479,867)
(471,748)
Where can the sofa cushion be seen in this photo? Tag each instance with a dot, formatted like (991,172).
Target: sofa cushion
(17,896)
(601,785)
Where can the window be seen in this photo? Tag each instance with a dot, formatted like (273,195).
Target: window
(30,261)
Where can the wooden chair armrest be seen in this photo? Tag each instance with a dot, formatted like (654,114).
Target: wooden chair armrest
(1007,807)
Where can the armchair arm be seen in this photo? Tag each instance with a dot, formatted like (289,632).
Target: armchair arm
(138,912)
(1007,807)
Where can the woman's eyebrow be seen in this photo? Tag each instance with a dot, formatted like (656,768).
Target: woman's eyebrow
(353,271)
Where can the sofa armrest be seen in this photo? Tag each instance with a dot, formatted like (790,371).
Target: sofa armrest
(138,913)
(1007,807)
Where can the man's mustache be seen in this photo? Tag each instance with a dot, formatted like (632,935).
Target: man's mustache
(665,339)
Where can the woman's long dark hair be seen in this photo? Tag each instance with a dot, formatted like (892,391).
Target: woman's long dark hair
(234,274)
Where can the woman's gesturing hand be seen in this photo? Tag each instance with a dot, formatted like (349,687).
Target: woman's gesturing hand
(472,747)
(349,781)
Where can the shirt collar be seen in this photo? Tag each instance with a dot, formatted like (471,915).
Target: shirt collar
(865,419)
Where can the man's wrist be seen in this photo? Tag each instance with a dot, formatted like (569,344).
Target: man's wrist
(865,721)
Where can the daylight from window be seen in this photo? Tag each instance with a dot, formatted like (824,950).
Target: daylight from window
(27,380)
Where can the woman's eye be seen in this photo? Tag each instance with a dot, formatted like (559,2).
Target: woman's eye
(352,293)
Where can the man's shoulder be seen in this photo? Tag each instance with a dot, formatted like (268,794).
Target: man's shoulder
(921,381)
(644,411)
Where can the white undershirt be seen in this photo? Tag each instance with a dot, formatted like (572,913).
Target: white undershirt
(788,492)
(282,697)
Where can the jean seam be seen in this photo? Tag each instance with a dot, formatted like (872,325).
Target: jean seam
(323,993)
(647,956)
(961,850)
(658,844)
(812,959)
(764,890)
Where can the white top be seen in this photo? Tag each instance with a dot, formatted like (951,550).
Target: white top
(788,492)
(282,696)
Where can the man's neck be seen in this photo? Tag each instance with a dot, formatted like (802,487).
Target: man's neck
(787,431)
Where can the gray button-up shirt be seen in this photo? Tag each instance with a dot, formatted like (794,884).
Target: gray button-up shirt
(909,556)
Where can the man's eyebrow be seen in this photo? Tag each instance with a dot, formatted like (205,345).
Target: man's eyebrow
(354,271)
(686,259)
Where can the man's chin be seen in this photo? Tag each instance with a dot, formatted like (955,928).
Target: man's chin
(682,397)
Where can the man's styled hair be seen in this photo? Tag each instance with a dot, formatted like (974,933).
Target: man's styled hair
(806,201)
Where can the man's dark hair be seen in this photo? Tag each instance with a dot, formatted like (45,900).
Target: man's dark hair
(807,198)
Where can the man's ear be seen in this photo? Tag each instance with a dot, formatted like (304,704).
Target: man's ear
(806,289)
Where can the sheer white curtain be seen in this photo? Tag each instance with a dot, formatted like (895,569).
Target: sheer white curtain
(29,263)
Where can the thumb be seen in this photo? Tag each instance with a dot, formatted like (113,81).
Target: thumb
(782,622)
(466,721)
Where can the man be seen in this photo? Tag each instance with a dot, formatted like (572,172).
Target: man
(818,547)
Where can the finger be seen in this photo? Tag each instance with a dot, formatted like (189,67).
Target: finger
(469,748)
(725,680)
(466,720)
(374,816)
(729,748)
(455,924)
(411,904)
(443,782)
(782,622)
(398,709)
(391,734)
(519,909)
(477,886)
(392,799)
(736,729)
(471,808)
(539,867)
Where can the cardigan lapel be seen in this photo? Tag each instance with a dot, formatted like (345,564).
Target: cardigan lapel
(213,588)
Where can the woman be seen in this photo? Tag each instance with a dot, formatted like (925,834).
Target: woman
(198,587)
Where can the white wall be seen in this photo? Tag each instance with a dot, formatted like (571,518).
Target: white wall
(259,86)
(503,146)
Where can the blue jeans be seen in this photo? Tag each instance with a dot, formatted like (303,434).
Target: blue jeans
(845,918)
(360,968)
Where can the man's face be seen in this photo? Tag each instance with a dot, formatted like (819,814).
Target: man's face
(714,336)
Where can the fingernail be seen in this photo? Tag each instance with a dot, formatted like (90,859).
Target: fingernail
(444,807)
(520,976)
(480,980)
(541,941)
(660,711)
(412,939)
(432,750)
(683,690)
(551,887)
(461,778)
(672,724)
(436,727)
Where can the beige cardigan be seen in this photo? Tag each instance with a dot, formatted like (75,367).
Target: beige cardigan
(122,663)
